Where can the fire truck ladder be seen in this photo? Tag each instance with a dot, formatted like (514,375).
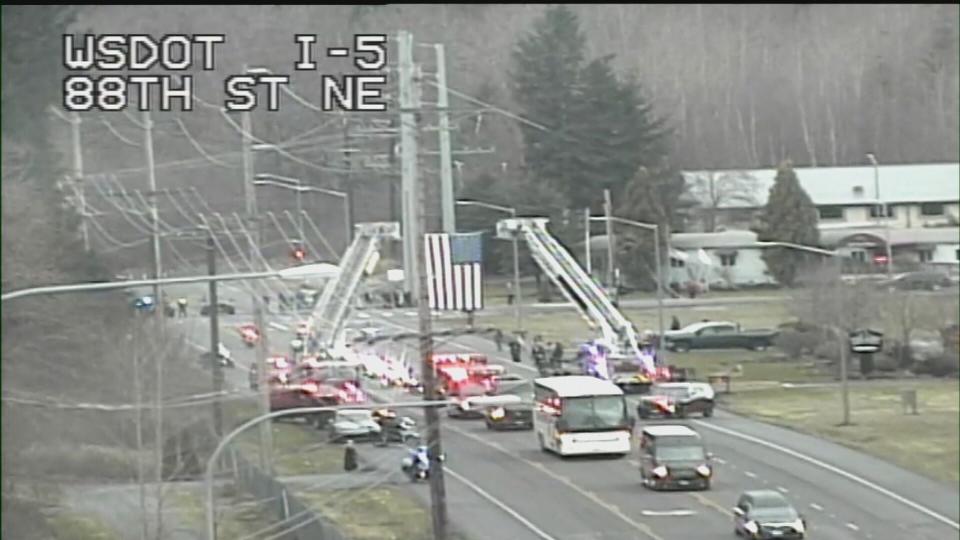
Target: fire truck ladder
(359,260)
(562,268)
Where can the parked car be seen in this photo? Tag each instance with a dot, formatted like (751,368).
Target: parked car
(224,356)
(765,514)
(354,424)
(718,335)
(677,399)
(924,280)
(224,309)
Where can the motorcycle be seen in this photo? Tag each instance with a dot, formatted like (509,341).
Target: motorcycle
(415,471)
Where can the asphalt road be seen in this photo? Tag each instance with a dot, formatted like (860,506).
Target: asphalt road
(844,494)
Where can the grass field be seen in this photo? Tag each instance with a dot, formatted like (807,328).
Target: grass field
(70,526)
(927,443)
(378,513)
(298,449)
(239,516)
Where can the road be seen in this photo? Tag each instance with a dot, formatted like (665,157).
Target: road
(502,486)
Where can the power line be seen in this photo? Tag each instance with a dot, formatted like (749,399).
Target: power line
(196,145)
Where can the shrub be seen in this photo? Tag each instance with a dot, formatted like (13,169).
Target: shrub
(794,343)
(941,366)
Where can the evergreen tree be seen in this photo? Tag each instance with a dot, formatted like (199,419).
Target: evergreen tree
(32,68)
(599,128)
(789,216)
(545,82)
(653,196)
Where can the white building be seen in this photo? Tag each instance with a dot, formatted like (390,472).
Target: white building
(915,195)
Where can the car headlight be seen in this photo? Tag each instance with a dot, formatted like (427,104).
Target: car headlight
(751,527)
(497,414)
(660,471)
(703,470)
(465,405)
(798,525)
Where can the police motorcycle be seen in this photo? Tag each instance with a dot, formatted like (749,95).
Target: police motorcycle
(417,465)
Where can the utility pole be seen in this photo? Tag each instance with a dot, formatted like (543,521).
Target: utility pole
(408,149)
(78,178)
(250,203)
(447,205)
(160,306)
(138,391)
(266,450)
(608,211)
(586,240)
(438,496)
(348,182)
(217,369)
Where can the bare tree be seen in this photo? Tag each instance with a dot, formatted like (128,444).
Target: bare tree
(720,190)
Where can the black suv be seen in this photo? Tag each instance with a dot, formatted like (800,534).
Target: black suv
(674,456)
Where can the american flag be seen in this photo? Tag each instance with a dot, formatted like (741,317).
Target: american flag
(454,271)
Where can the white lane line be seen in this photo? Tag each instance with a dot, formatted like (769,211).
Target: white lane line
(278,326)
(816,506)
(387,314)
(749,474)
(782,489)
(668,512)
(833,516)
(362,315)
(511,512)
(641,527)
(848,475)
(721,461)
(409,313)
(853,527)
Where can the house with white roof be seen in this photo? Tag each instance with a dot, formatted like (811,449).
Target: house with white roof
(915,196)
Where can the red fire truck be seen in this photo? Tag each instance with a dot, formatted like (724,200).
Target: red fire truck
(456,373)
(319,383)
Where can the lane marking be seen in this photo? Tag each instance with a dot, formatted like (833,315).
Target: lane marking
(853,527)
(278,326)
(710,503)
(720,461)
(509,511)
(816,506)
(848,475)
(409,313)
(782,489)
(749,474)
(668,512)
(642,527)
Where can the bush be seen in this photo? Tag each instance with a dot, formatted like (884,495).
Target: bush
(941,366)
(828,350)
(885,363)
(794,344)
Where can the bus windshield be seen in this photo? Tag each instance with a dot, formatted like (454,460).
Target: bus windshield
(597,413)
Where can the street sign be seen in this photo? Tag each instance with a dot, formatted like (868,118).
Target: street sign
(866,341)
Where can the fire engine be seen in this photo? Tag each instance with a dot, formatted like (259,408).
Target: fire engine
(319,383)
(456,373)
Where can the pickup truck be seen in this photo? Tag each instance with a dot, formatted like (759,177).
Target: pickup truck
(718,335)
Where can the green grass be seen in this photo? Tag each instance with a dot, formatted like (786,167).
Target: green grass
(71,526)
(927,443)
(298,449)
(380,513)
(238,515)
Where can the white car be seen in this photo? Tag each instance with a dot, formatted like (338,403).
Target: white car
(354,424)
(474,406)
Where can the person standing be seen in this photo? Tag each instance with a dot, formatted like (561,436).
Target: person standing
(675,323)
(350,457)
(498,339)
(509,293)
(182,307)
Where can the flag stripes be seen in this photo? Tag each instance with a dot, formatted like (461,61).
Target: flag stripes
(454,271)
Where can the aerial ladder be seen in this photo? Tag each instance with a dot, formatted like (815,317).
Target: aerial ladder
(579,288)
(333,307)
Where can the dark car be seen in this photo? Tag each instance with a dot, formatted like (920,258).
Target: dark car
(718,335)
(674,457)
(766,514)
(224,309)
(919,281)
(677,400)
(509,416)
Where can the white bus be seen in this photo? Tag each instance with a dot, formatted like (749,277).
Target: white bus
(577,415)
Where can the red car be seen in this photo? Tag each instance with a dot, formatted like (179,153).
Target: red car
(249,333)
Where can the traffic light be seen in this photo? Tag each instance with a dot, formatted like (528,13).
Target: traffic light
(299,254)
